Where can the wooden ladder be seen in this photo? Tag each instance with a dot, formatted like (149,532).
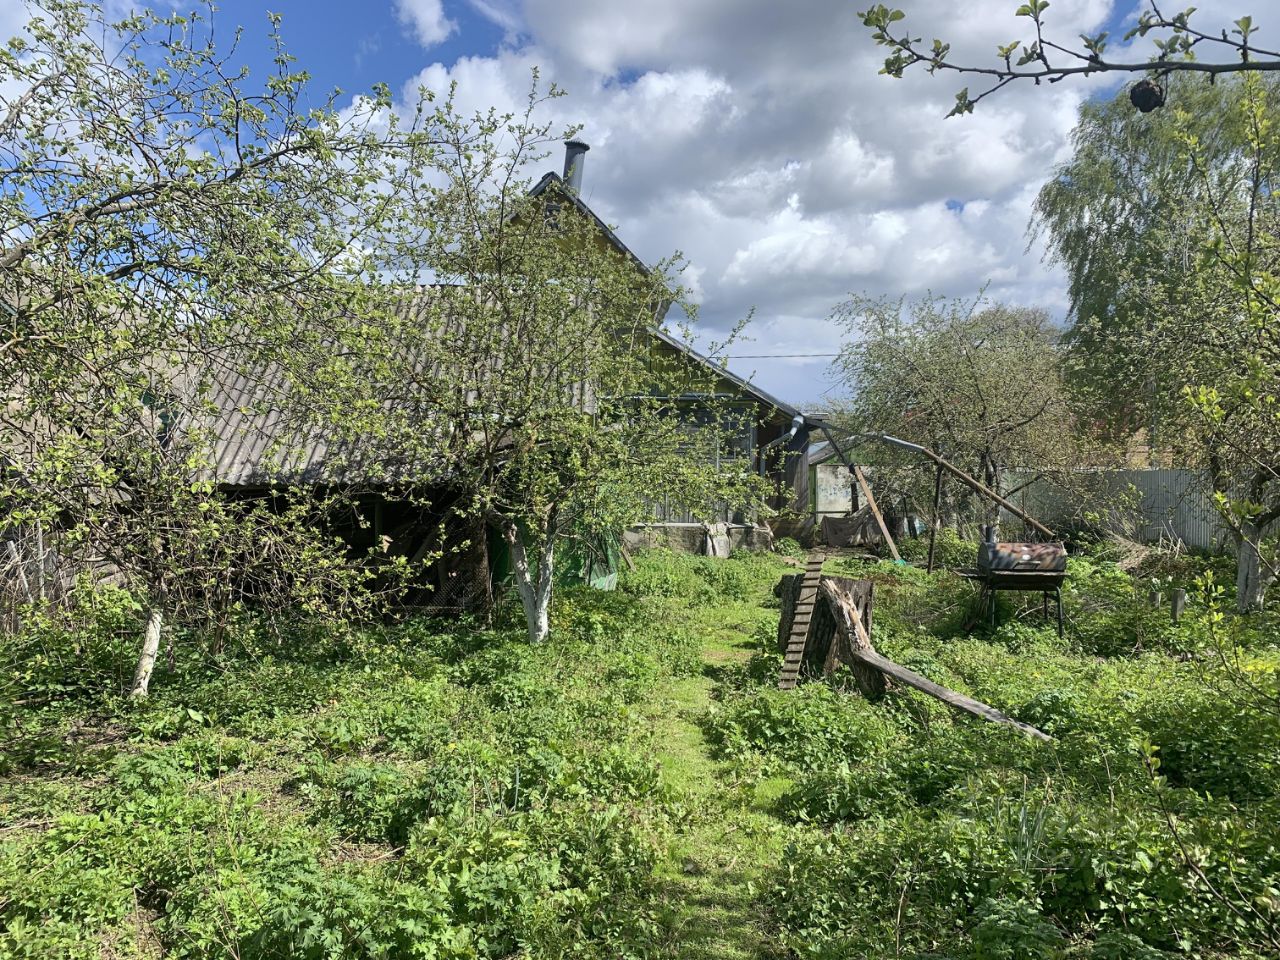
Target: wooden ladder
(805,601)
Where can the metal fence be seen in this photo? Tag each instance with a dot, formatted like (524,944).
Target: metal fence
(1146,505)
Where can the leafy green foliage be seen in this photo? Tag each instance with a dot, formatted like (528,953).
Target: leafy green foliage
(810,727)
(920,831)
(950,550)
(1041,56)
(445,792)
(936,372)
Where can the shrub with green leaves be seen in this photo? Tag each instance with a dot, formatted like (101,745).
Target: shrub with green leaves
(811,726)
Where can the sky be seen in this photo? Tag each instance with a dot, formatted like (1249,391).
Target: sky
(753,136)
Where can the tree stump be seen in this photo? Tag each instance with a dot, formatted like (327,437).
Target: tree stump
(820,654)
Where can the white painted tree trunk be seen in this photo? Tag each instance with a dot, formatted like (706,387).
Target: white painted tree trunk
(534,583)
(1252,575)
(150,651)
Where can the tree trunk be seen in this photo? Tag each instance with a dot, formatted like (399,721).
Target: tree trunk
(1252,576)
(534,583)
(150,651)
(991,477)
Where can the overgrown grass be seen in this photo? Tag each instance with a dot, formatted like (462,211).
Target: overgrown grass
(638,787)
(430,790)
(1146,828)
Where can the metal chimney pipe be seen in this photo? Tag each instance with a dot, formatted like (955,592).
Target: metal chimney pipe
(575,152)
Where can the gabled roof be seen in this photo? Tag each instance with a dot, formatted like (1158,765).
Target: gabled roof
(746,386)
(555,181)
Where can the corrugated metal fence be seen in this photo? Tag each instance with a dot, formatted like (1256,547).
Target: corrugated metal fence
(1147,505)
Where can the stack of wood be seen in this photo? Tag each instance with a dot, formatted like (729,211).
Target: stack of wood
(826,623)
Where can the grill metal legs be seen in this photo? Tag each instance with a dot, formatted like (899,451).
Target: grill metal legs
(987,606)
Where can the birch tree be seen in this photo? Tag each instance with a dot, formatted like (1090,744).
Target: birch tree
(1109,214)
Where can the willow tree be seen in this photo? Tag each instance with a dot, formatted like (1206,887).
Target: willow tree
(525,374)
(162,228)
(1108,215)
(1215,336)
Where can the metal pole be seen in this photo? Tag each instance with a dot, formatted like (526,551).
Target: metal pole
(968,481)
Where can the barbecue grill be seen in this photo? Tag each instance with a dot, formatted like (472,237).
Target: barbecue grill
(1032,567)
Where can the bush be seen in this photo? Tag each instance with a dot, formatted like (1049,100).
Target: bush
(950,551)
(1215,745)
(789,547)
(810,726)
(1014,930)
(664,573)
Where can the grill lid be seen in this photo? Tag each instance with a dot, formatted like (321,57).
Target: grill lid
(1049,557)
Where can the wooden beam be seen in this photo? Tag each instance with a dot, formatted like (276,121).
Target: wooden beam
(862,485)
(863,659)
(952,699)
(875,512)
(851,637)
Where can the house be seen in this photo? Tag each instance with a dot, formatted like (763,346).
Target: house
(257,451)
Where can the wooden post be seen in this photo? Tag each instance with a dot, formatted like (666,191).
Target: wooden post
(933,520)
(1177,603)
(875,512)
(1154,598)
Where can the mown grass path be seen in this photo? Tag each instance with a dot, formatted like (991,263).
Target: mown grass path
(727,844)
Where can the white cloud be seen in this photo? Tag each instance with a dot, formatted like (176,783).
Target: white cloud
(503,13)
(759,139)
(426,18)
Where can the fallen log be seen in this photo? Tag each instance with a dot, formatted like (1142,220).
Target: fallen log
(840,633)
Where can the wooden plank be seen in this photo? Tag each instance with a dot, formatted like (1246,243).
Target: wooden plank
(952,699)
(875,512)
(801,622)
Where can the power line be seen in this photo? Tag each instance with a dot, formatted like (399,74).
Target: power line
(775,356)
